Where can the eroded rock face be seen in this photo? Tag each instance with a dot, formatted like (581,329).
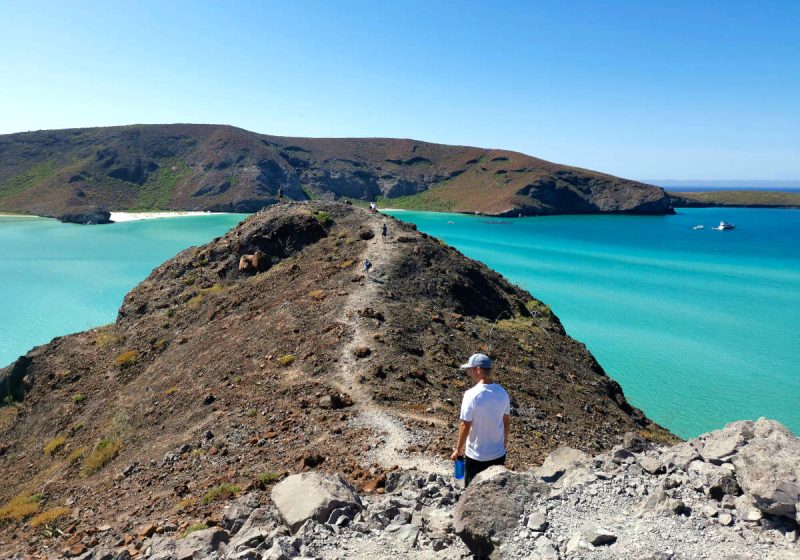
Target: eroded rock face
(491,507)
(91,216)
(768,468)
(312,496)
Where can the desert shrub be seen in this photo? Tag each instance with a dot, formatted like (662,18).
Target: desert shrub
(538,309)
(171,390)
(186,503)
(316,294)
(286,360)
(126,359)
(76,455)
(103,453)
(265,479)
(19,507)
(347,264)
(106,337)
(75,427)
(192,528)
(322,217)
(78,398)
(54,445)
(221,492)
(49,517)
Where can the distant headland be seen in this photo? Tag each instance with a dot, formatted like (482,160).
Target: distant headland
(80,175)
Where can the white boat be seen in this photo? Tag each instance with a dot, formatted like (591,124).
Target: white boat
(699,227)
(723,226)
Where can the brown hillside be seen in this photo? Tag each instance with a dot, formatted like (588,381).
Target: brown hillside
(222,168)
(212,376)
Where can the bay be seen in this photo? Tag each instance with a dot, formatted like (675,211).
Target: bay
(59,278)
(700,327)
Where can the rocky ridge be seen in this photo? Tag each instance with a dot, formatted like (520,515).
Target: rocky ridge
(267,352)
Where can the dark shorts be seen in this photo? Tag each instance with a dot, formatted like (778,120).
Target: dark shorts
(473,467)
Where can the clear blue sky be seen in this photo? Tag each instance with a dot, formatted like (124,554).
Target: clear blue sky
(647,90)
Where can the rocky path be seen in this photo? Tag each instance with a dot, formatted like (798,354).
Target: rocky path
(393,436)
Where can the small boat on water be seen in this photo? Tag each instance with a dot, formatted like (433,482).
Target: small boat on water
(724,226)
(699,227)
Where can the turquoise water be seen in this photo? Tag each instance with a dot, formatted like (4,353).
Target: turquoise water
(61,278)
(699,327)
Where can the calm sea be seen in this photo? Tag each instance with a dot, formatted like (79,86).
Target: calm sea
(699,327)
(61,278)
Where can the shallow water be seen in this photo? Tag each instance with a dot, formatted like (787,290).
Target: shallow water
(59,278)
(699,327)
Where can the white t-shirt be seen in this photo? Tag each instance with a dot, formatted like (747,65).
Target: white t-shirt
(485,405)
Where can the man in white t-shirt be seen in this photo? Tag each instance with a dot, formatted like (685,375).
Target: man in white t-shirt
(485,409)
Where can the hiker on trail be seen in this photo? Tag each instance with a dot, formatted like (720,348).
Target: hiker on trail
(485,410)
(384,231)
(367,266)
(372,206)
(280,192)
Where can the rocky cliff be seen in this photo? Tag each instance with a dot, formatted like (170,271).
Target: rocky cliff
(221,168)
(268,352)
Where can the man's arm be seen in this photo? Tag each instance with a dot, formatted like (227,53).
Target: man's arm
(463,432)
(506,426)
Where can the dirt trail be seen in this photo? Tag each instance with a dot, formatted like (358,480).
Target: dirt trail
(394,437)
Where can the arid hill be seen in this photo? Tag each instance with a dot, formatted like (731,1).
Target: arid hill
(222,168)
(215,379)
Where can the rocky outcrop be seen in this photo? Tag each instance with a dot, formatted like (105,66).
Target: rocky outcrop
(312,496)
(490,509)
(92,216)
(621,512)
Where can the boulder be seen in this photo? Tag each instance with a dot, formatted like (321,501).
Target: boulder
(236,512)
(660,502)
(679,456)
(720,446)
(598,537)
(560,461)
(200,544)
(491,508)
(312,495)
(768,468)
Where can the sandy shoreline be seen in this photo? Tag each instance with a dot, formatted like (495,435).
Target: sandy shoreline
(133,216)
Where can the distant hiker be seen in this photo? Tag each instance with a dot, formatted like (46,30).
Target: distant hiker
(367,266)
(373,207)
(280,192)
(485,419)
(384,231)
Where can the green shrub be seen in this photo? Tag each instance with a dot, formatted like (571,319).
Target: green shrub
(54,445)
(78,398)
(102,454)
(126,359)
(192,528)
(286,360)
(265,479)
(221,492)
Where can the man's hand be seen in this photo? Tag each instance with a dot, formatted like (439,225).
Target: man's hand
(455,455)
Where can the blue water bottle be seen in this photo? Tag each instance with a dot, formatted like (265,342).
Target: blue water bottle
(458,468)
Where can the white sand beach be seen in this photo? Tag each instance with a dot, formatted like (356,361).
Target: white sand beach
(133,216)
